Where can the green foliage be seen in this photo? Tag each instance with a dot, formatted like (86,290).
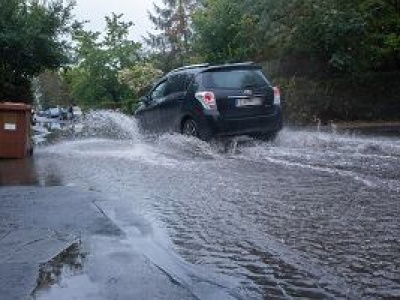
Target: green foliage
(333,32)
(222,32)
(170,47)
(347,36)
(138,77)
(318,51)
(94,79)
(382,41)
(369,96)
(30,42)
(51,90)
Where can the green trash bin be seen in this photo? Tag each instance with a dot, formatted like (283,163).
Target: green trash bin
(15,130)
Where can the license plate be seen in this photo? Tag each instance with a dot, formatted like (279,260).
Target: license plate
(248,102)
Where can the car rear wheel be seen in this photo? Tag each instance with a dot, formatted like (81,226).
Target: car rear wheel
(190,128)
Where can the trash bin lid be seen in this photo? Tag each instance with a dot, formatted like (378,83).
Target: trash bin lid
(14,106)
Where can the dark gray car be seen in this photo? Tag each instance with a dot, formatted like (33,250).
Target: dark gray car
(210,101)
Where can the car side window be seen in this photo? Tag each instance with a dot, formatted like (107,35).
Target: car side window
(176,84)
(159,92)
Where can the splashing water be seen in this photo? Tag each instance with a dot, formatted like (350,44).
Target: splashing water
(110,124)
(372,161)
(110,134)
(337,142)
(185,147)
(366,159)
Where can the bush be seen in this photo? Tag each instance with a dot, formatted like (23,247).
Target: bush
(367,97)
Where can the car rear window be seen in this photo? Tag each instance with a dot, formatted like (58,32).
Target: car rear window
(234,79)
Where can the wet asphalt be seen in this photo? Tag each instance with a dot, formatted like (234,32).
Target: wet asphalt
(313,215)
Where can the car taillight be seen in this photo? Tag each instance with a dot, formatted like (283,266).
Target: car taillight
(207,99)
(277,95)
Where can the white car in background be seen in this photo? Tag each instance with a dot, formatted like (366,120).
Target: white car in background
(54,112)
(76,113)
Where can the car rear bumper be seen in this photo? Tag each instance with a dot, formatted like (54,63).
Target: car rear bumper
(219,126)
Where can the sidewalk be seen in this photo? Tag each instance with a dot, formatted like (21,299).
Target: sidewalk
(40,224)
(36,224)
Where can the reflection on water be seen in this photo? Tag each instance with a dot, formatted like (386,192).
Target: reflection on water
(18,172)
(70,261)
(26,172)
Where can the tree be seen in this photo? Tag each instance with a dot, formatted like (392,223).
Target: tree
(349,36)
(139,76)
(30,42)
(382,32)
(222,31)
(51,90)
(345,36)
(94,79)
(240,30)
(331,30)
(171,45)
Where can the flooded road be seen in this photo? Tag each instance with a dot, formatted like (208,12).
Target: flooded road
(312,216)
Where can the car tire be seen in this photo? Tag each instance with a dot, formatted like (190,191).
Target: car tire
(190,128)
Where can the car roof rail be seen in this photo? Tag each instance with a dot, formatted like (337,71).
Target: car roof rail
(191,67)
(245,63)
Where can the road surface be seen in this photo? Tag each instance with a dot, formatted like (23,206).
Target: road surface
(314,215)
